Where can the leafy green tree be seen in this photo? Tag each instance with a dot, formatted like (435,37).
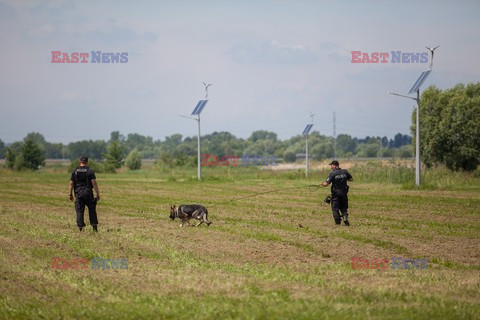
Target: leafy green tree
(37,138)
(400,140)
(137,141)
(116,136)
(289,156)
(265,147)
(19,163)
(294,140)
(114,157)
(386,152)
(345,145)
(10,156)
(220,144)
(148,153)
(51,150)
(165,159)
(11,152)
(2,149)
(173,140)
(134,161)
(263,135)
(181,160)
(94,149)
(450,126)
(321,150)
(92,164)
(33,155)
(368,150)
(54,150)
(404,151)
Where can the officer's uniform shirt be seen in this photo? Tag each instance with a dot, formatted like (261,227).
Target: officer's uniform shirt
(339,178)
(83,176)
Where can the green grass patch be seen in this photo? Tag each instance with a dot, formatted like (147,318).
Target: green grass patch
(272,256)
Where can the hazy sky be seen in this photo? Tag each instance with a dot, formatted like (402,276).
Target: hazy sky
(271,64)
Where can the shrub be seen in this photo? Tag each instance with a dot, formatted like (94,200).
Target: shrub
(134,161)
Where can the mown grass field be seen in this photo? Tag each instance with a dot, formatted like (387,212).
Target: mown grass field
(275,256)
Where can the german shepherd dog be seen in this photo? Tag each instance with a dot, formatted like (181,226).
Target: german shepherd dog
(185,212)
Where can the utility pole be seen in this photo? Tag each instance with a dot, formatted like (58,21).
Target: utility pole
(334,136)
(416,89)
(305,133)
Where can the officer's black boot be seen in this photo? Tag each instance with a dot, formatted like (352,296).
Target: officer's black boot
(345,219)
(80,228)
(336,216)
(95,228)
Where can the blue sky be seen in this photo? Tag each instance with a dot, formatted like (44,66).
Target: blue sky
(271,64)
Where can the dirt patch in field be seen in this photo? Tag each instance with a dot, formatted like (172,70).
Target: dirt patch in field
(451,249)
(283,242)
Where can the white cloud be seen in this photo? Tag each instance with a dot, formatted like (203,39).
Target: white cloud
(42,32)
(272,52)
(258,82)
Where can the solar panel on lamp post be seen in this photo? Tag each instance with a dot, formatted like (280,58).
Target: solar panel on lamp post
(196,112)
(305,133)
(416,89)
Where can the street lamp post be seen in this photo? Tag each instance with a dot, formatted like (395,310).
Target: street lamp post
(416,89)
(418,176)
(196,112)
(305,133)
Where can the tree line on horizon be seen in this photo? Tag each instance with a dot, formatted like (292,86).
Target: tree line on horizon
(177,150)
(449,127)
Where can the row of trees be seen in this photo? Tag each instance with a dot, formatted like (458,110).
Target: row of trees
(450,130)
(177,151)
(28,154)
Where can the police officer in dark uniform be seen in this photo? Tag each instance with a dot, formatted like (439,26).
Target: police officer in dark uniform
(83,181)
(339,201)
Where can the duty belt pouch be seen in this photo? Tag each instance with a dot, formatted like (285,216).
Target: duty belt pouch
(82,192)
(346,189)
(328,199)
(334,192)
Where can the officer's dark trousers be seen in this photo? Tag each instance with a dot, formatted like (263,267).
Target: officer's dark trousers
(91,204)
(339,204)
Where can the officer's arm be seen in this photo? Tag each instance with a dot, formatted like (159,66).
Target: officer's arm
(95,186)
(70,190)
(328,181)
(351,179)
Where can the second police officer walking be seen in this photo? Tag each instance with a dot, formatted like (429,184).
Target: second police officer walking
(339,199)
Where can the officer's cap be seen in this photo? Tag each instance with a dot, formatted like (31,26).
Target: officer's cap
(334,162)
(83,159)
